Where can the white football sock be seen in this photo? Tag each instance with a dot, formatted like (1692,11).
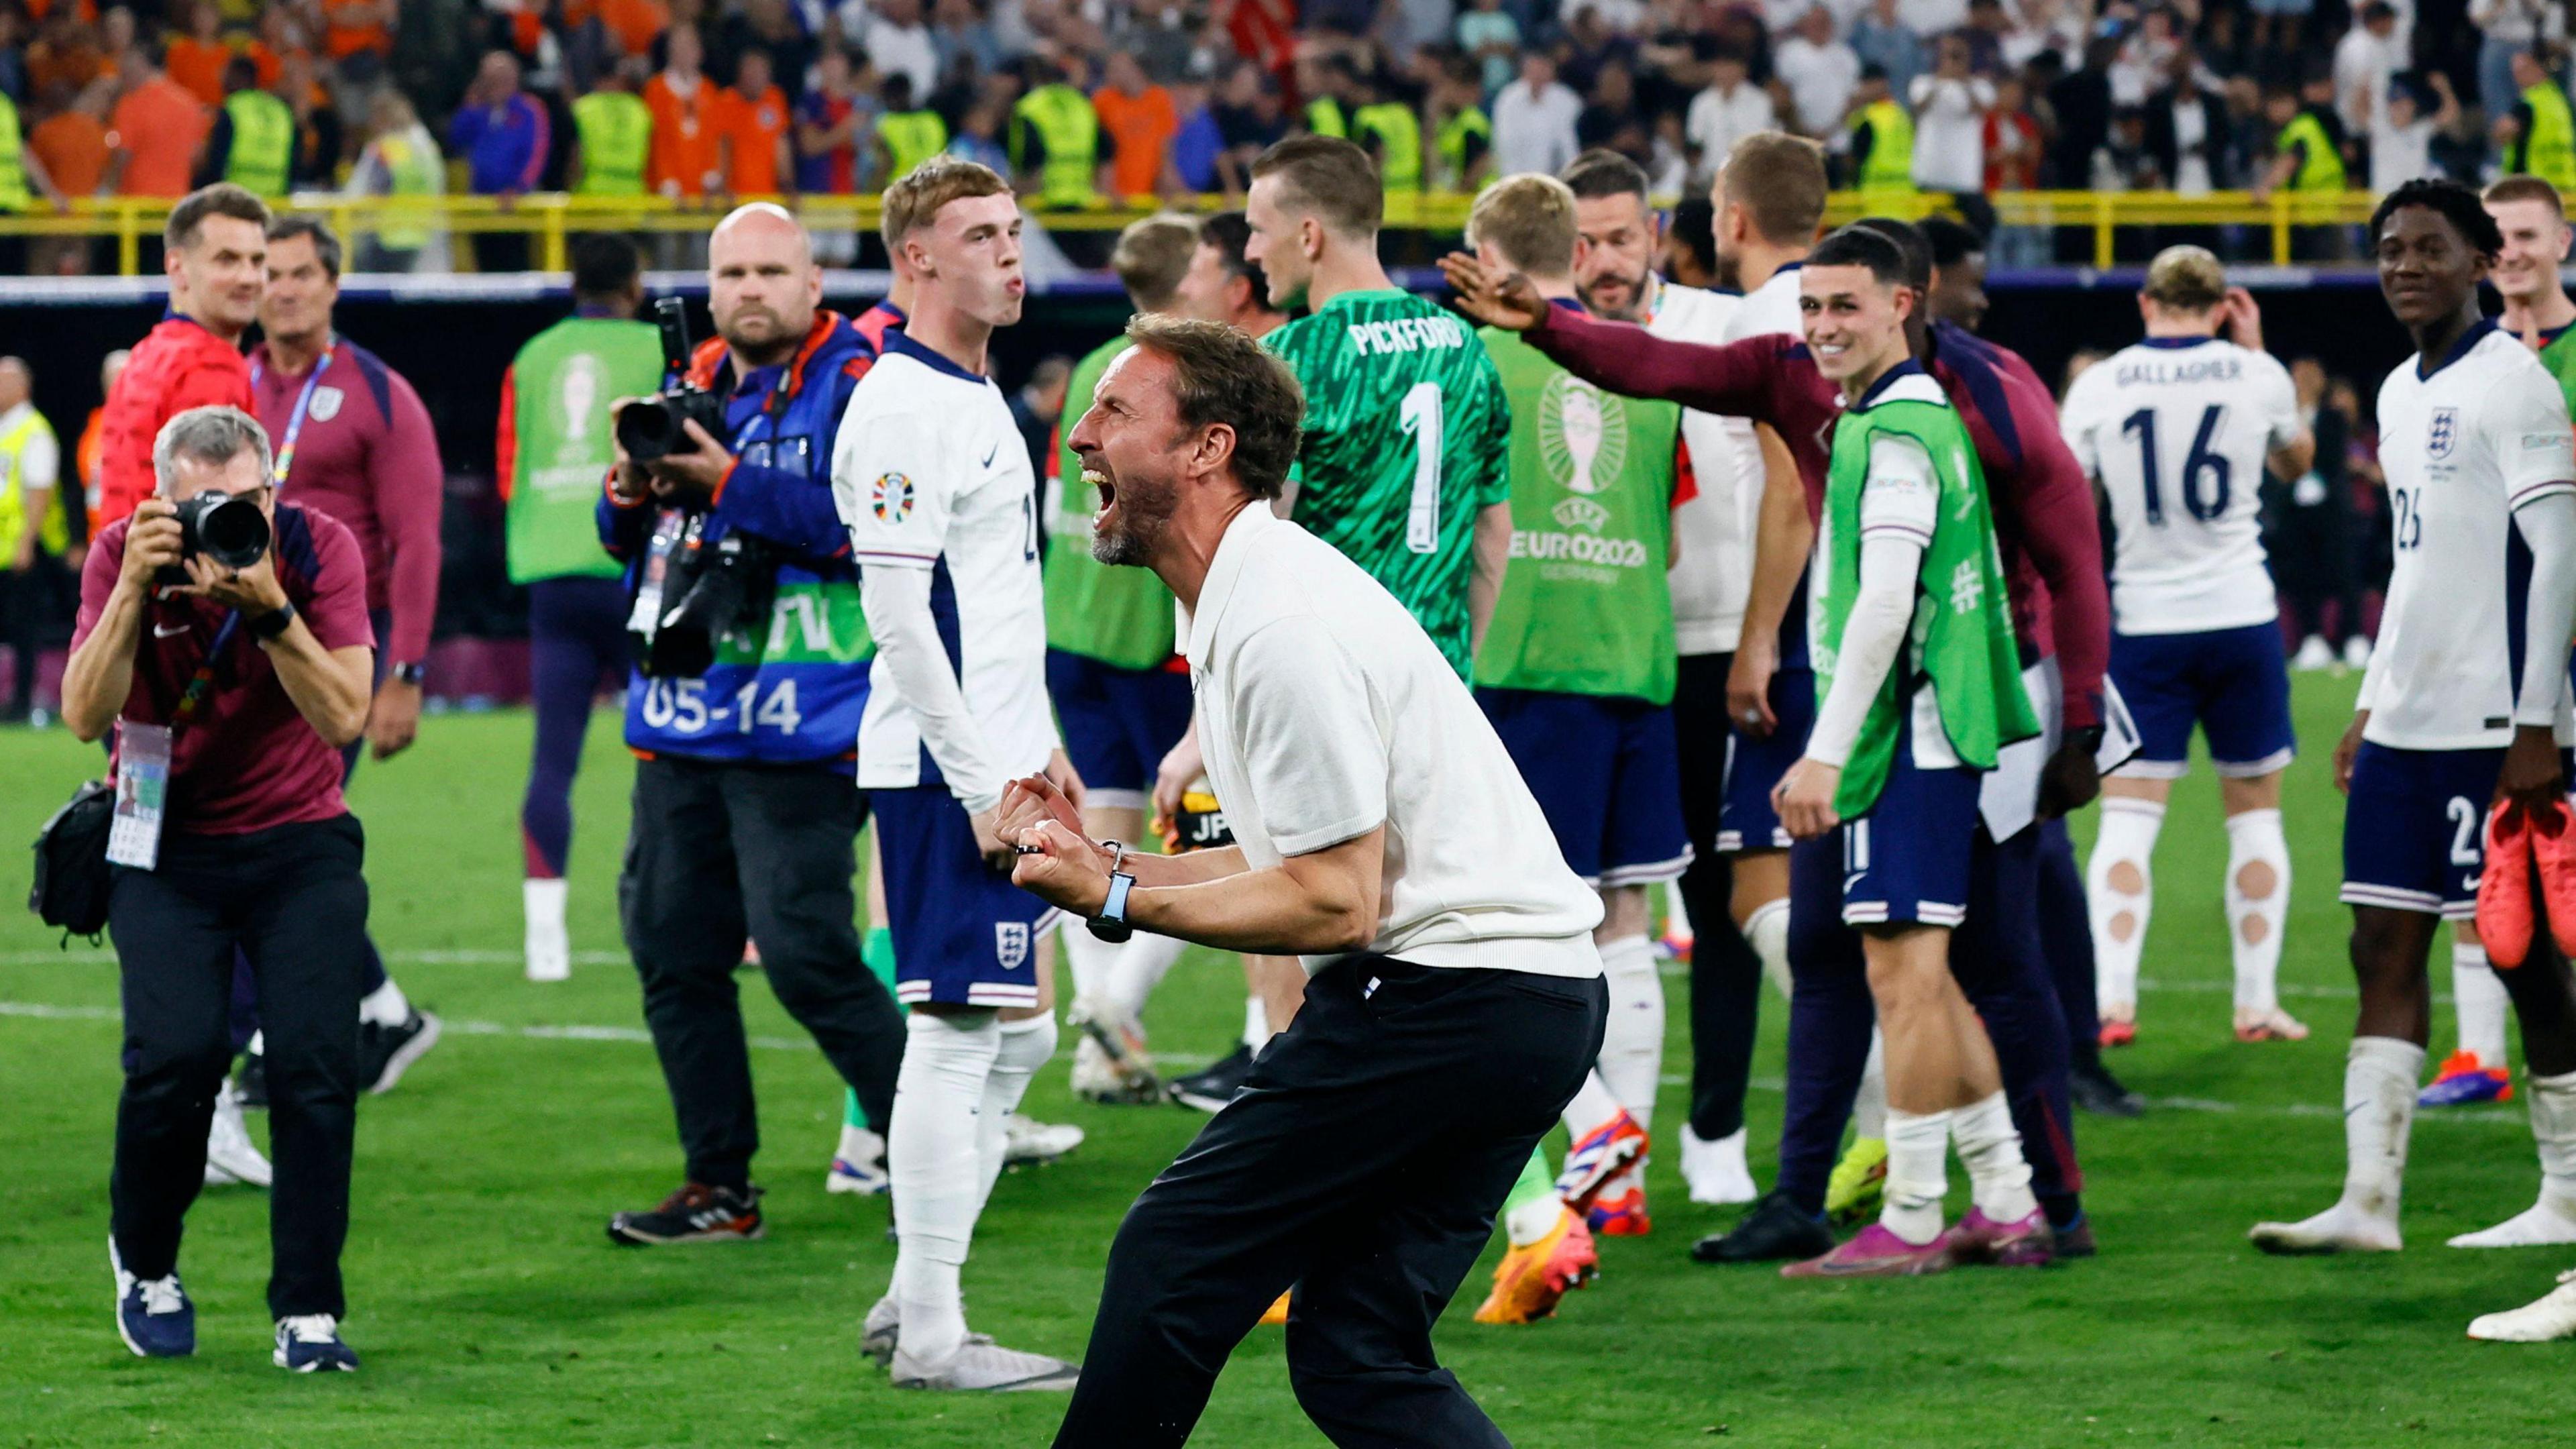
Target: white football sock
(1594,1103)
(1869,1105)
(1025,1047)
(2255,843)
(2551,1220)
(2127,838)
(2378,1112)
(1767,931)
(2479,1000)
(1918,1152)
(385,1006)
(1089,958)
(1990,1148)
(1256,1023)
(932,1160)
(1138,968)
(547,946)
(2553,1130)
(1632,1045)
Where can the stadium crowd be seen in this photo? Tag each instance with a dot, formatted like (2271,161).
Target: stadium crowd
(1084,102)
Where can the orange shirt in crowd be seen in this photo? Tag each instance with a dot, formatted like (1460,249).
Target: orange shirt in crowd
(270,64)
(685,131)
(1141,127)
(85,11)
(635,23)
(160,125)
(754,127)
(199,65)
(73,146)
(343,36)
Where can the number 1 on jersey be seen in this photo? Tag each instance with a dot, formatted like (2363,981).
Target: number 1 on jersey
(1420,413)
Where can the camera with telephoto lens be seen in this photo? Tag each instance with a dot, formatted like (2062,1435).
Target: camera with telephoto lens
(231,531)
(710,588)
(654,427)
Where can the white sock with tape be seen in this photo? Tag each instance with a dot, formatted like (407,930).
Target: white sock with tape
(2119,885)
(932,1158)
(2258,903)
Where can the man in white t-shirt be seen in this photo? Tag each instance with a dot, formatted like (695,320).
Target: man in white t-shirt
(1730,109)
(1383,835)
(2464,706)
(1820,71)
(2177,431)
(934,484)
(1534,119)
(1950,108)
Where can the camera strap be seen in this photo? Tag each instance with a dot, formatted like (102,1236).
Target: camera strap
(143,756)
(285,459)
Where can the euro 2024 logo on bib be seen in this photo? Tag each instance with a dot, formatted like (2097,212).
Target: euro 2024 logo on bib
(892,498)
(1582,437)
(1011,944)
(2444,432)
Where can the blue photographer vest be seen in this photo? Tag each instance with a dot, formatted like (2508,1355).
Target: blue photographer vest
(792,692)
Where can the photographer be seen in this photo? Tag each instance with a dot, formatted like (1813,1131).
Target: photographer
(746,809)
(233,686)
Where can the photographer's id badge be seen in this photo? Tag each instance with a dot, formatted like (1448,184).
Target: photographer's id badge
(142,794)
(645,619)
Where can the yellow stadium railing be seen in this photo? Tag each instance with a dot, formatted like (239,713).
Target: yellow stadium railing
(551,218)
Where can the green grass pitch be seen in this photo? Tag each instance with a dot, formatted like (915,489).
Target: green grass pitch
(492,1310)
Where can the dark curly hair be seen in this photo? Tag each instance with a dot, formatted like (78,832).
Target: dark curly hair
(2457,204)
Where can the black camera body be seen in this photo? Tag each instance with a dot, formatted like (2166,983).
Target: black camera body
(653,427)
(693,589)
(231,531)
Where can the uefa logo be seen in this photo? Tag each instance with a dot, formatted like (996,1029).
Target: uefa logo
(892,498)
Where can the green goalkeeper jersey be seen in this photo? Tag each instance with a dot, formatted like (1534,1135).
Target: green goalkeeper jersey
(2558,354)
(1586,607)
(1406,435)
(1959,645)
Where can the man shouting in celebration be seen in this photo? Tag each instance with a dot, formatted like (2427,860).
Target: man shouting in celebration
(1454,999)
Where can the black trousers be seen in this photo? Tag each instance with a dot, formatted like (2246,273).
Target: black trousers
(1725,974)
(25,598)
(1363,1163)
(720,851)
(292,901)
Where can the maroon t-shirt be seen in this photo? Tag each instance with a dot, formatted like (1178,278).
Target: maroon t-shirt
(245,760)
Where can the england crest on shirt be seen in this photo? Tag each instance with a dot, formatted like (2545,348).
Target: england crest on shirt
(1010,943)
(326,403)
(2443,432)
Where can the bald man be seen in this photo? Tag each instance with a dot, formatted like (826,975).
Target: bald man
(745,807)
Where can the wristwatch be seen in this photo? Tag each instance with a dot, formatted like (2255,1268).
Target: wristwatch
(410,674)
(1111,924)
(272,624)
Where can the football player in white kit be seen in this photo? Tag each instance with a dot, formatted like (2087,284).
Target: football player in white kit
(934,484)
(2465,701)
(2177,430)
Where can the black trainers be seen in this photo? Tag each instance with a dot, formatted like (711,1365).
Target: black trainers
(386,1052)
(696,1213)
(2096,1091)
(250,1082)
(1210,1089)
(1775,1229)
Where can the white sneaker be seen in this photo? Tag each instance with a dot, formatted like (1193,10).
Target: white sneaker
(2339,1229)
(884,1328)
(985,1366)
(2356,653)
(231,1157)
(1025,1140)
(548,944)
(1715,1171)
(1095,1076)
(1111,1063)
(2553,1315)
(2546,1223)
(2314,654)
(859,1166)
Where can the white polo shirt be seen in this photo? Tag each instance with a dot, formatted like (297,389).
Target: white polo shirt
(1325,712)
(1715,527)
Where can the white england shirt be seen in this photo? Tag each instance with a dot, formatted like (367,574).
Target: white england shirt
(930,473)
(2177,429)
(1769,308)
(2485,435)
(1325,712)
(1715,526)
